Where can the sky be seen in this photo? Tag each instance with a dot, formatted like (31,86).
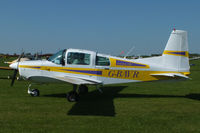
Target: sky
(105,26)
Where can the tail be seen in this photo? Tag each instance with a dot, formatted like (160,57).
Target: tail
(175,55)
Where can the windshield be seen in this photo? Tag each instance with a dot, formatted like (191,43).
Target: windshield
(58,58)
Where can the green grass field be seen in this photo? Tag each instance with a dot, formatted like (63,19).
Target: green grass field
(153,107)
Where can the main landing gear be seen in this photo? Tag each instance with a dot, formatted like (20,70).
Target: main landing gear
(73,96)
(33,92)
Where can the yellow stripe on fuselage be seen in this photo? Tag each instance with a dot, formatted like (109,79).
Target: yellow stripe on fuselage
(139,75)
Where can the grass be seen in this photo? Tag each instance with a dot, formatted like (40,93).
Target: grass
(136,107)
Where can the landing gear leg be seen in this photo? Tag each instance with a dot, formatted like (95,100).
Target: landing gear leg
(33,92)
(73,95)
(99,88)
(83,89)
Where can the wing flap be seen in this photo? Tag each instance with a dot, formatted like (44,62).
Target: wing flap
(170,75)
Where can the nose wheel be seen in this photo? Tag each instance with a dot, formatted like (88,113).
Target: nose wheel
(33,92)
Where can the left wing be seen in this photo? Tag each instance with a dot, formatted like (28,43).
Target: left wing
(6,68)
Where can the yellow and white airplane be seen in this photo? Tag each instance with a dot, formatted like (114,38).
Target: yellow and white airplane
(83,67)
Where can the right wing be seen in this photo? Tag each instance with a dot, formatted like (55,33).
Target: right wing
(6,68)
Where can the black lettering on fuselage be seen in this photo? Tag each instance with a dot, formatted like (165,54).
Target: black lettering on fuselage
(111,73)
(119,74)
(124,74)
(135,74)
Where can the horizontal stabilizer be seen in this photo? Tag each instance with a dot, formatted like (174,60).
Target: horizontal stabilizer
(170,75)
(194,58)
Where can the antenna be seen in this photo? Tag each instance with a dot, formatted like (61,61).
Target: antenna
(129,51)
(22,51)
(174,29)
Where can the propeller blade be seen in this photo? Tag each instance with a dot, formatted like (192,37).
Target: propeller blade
(16,70)
(22,54)
(14,76)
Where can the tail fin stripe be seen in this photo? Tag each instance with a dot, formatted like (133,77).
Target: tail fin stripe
(176,53)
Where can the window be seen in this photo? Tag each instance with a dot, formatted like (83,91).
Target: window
(102,61)
(58,58)
(76,58)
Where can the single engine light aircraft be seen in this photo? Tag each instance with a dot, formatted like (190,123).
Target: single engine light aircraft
(83,67)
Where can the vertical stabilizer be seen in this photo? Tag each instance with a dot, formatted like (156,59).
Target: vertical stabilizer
(175,55)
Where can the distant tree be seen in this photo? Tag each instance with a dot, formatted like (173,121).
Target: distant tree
(155,54)
(194,55)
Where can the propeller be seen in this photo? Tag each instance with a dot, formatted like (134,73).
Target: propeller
(16,68)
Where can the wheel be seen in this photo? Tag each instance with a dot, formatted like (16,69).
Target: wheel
(72,96)
(82,89)
(35,92)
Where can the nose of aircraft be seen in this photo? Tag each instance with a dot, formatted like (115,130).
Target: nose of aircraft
(13,65)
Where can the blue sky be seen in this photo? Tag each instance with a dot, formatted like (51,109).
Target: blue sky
(106,26)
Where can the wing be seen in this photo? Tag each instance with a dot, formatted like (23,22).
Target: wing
(6,68)
(170,75)
(77,80)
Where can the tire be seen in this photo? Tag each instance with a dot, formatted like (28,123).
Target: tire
(83,89)
(72,96)
(35,93)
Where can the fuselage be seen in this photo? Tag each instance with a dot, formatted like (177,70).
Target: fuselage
(91,65)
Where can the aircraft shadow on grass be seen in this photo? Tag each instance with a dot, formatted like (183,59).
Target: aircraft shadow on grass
(97,104)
